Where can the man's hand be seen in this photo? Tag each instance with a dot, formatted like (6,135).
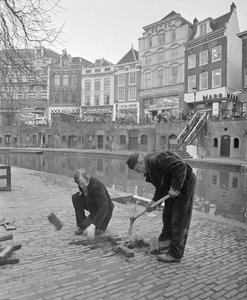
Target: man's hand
(173,193)
(90,232)
(149,208)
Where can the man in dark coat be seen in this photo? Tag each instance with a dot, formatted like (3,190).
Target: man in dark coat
(170,175)
(94,198)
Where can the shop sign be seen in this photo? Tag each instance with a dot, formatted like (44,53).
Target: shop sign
(128,106)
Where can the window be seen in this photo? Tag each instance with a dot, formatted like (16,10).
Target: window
(204,81)
(122,139)
(121,79)
(174,76)
(161,56)
(162,38)
(97,85)
(88,71)
(88,100)
(107,84)
(148,60)
(74,79)
(216,53)
(107,69)
(132,94)
(63,138)
(191,82)
(96,99)
(148,80)
(38,90)
(56,97)
(65,79)
(216,78)
(66,61)
(245,77)
(191,61)
(203,29)
(57,80)
(107,99)
(25,92)
(203,57)
(144,140)
(88,86)
(236,143)
(175,53)
(150,42)
(132,78)
(121,95)
(173,34)
(65,96)
(160,77)
(74,96)
(215,142)
(97,70)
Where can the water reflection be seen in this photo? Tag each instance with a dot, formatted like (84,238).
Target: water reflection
(218,191)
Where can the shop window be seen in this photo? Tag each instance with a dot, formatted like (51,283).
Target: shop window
(122,139)
(235,182)
(144,140)
(236,143)
(215,142)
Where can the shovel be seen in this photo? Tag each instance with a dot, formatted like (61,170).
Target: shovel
(133,218)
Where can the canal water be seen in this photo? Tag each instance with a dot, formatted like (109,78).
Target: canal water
(219,191)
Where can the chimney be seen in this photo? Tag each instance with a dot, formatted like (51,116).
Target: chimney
(195,21)
(232,7)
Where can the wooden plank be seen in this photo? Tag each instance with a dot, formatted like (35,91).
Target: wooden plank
(6,253)
(10,261)
(154,245)
(5,237)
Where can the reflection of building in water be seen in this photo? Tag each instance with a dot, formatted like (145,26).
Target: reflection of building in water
(226,190)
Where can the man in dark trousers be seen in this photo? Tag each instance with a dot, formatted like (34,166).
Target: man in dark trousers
(94,198)
(170,175)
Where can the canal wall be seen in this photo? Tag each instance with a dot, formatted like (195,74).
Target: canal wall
(217,139)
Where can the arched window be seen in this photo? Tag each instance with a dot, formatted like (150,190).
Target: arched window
(144,140)
(215,142)
(64,138)
(122,139)
(236,143)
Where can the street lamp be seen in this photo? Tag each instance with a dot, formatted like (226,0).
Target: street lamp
(195,91)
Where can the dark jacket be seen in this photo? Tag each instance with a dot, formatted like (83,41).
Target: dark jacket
(99,202)
(165,170)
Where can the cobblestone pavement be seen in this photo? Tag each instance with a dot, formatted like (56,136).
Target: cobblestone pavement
(54,265)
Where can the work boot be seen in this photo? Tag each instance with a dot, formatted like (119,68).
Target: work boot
(164,244)
(167,258)
(79,231)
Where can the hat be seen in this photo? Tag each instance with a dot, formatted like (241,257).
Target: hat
(132,160)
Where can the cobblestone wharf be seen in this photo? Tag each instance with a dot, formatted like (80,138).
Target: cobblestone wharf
(55,265)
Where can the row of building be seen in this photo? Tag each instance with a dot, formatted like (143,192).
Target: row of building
(179,66)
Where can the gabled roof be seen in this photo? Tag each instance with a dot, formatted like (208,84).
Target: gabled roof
(100,63)
(173,13)
(219,23)
(167,17)
(131,56)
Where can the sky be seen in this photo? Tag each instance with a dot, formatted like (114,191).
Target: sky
(94,29)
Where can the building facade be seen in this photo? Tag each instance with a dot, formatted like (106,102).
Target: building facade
(127,87)
(161,53)
(98,91)
(65,87)
(24,85)
(243,37)
(213,65)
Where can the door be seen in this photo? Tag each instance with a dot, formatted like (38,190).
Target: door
(72,141)
(100,141)
(133,140)
(225,146)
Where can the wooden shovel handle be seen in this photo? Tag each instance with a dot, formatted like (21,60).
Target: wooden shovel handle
(153,205)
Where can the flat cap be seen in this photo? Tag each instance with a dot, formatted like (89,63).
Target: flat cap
(132,160)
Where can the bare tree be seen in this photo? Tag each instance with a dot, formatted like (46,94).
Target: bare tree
(24,24)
